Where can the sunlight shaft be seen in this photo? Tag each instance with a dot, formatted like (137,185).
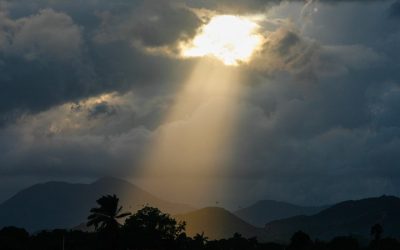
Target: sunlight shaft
(194,140)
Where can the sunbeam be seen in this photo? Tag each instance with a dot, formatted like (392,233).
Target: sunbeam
(195,139)
(193,144)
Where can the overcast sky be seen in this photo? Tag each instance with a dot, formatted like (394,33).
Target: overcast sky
(86,85)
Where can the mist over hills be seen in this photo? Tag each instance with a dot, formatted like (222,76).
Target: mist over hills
(65,205)
(266,211)
(218,223)
(353,217)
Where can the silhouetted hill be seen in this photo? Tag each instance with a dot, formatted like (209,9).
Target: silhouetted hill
(217,223)
(65,205)
(266,211)
(346,218)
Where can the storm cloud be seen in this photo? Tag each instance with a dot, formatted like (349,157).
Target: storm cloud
(83,91)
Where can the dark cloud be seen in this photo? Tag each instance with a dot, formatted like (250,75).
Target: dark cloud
(42,64)
(395,9)
(102,109)
(82,95)
(152,24)
(48,59)
(236,6)
(385,107)
(285,50)
(32,86)
(255,6)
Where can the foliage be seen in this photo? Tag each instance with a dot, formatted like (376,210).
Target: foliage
(105,217)
(300,241)
(105,220)
(149,229)
(376,231)
(13,238)
(343,242)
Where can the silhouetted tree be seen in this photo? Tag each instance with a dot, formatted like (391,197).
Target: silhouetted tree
(105,217)
(343,242)
(376,231)
(321,245)
(300,241)
(271,246)
(151,228)
(13,238)
(200,240)
(48,239)
(389,244)
(56,239)
(237,242)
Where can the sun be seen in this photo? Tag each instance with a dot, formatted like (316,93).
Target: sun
(231,39)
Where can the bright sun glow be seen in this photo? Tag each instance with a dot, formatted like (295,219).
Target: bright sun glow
(231,39)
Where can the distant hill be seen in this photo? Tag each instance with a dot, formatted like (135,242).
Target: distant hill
(266,211)
(217,223)
(345,218)
(65,205)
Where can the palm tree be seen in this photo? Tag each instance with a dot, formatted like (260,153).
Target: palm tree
(105,217)
(376,231)
(200,240)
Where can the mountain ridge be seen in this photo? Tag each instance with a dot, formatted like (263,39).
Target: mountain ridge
(352,217)
(264,211)
(64,205)
(57,204)
(217,223)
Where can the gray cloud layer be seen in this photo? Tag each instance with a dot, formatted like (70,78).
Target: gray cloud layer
(48,59)
(81,96)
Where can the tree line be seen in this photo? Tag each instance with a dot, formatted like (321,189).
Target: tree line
(151,229)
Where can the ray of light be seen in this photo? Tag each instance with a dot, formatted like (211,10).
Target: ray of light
(190,150)
(194,142)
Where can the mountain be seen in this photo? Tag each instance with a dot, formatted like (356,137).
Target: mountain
(345,218)
(217,223)
(266,211)
(65,205)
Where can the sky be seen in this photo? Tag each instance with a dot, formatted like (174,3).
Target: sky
(90,88)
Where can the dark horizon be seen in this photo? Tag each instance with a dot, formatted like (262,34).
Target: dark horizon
(231,206)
